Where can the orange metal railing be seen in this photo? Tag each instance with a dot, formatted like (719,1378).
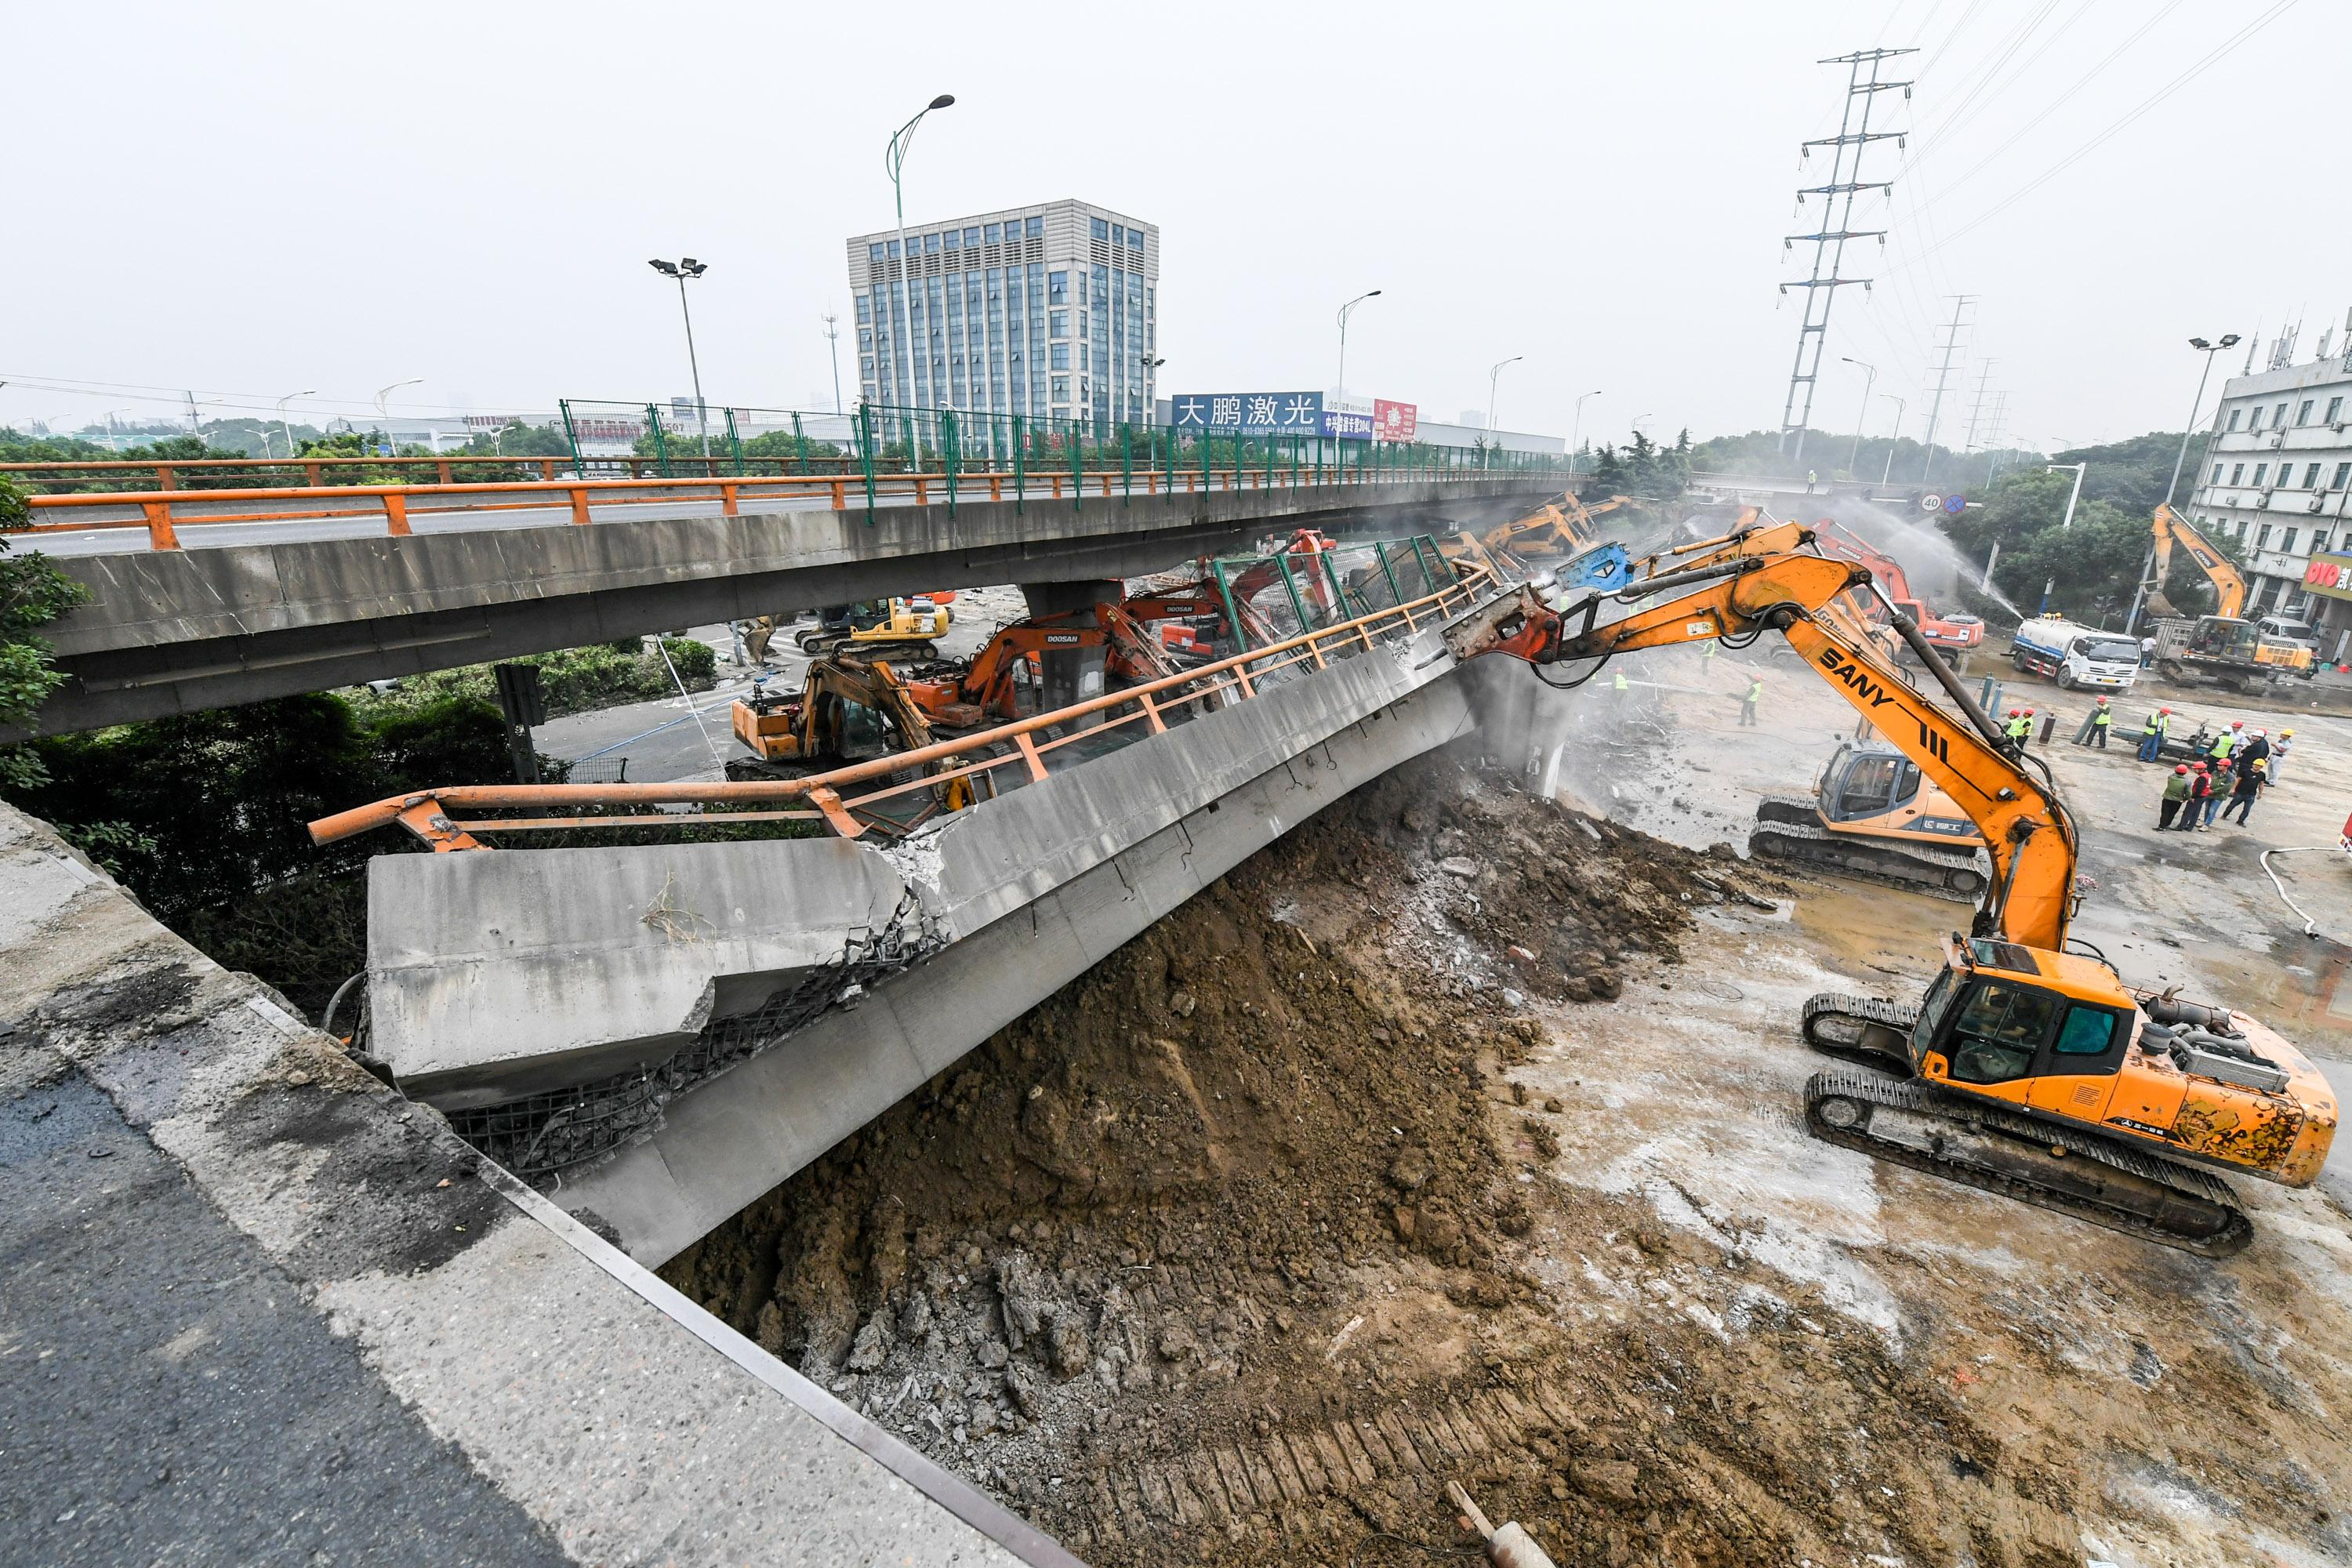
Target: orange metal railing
(162,513)
(848,799)
(165,472)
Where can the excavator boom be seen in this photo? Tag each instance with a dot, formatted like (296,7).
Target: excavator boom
(1739,595)
(2228,588)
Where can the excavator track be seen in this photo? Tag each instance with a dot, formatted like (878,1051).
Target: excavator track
(1994,1149)
(1861,1029)
(1915,868)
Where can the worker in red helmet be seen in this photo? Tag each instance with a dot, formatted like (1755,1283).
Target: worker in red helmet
(2017,727)
(2102,719)
(2176,795)
(2151,739)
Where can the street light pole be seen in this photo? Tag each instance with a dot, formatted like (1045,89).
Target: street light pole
(832,337)
(1345,312)
(1894,437)
(384,404)
(1855,456)
(1576,435)
(895,160)
(289,429)
(1494,378)
(2065,522)
(2139,594)
(684,267)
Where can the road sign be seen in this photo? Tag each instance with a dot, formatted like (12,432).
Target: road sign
(1931,503)
(1956,504)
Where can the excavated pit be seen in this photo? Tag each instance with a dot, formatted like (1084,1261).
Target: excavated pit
(1393,1159)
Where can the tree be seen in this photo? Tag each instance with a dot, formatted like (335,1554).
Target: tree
(32,594)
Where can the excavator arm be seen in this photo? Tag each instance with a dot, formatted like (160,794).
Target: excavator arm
(2228,588)
(2031,838)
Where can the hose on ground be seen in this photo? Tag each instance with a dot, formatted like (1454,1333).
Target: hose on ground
(2310,926)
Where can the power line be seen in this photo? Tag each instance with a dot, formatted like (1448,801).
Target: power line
(1943,381)
(2175,85)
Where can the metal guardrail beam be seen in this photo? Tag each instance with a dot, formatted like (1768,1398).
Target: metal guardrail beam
(834,798)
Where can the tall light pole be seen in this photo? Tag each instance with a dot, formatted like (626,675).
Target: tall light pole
(2139,594)
(895,160)
(1576,435)
(2067,522)
(289,429)
(383,401)
(832,337)
(684,267)
(1345,312)
(1855,456)
(1892,438)
(1494,378)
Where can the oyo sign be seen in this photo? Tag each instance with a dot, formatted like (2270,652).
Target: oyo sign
(2329,576)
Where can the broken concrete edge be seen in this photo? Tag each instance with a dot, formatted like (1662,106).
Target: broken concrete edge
(331,1176)
(950,1492)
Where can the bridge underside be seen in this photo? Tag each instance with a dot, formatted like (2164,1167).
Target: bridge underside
(790,991)
(180,631)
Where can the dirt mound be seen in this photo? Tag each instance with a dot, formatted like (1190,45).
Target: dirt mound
(1220,1246)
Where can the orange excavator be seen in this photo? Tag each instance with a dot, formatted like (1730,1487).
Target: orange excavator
(2029,1067)
(1562,526)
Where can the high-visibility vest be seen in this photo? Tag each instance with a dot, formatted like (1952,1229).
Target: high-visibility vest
(2154,724)
(2020,727)
(2223,746)
(1621,680)
(2103,718)
(1755,690)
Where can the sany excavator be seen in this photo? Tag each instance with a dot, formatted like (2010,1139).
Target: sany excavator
(2029,1067)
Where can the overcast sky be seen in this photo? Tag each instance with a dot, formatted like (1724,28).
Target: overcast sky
(247,200)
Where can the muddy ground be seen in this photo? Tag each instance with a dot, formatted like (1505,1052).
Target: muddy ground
(1457,1136)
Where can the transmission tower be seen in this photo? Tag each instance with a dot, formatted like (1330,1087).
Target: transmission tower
(1847,148)
(1976,409)
(1960,302)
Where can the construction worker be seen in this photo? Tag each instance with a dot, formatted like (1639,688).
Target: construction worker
(2103,718)
(2151,739)
(2225,746)
(2176,795)
(2201,794)
(1621,686)
(2252,777)
(2015,728)
(2027,738)
(2279,749)
(1748,703)
(2256,748)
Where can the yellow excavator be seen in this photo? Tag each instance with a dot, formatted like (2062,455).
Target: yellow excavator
(2029,1067)
(2228,588)
(1562,526)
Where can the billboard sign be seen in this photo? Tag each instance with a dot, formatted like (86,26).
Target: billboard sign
(1394,421)
(2329,576)
(1248,413)
(1346,425)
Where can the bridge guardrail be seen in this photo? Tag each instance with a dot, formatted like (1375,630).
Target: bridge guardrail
(847,799)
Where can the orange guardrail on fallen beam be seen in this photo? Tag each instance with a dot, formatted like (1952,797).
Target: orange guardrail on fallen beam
(834,796)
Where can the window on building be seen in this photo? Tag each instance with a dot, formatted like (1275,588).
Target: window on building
(2241,528)
(1058,287)
(1061,389)
(2235,414)
(952,239)
(2237,472)
(2335,409)
(865,337)
(1060,356)
(931,243)
(2311,478)
(2343,477)
(1033,228)
(1061,319)
(2260,469)
(2286,541)
(1101,229)
(865,366)
(2302,413)
(2278,418)
(2319,542)
(2217,475)
(995,233)
(972,237)
(2263,537)
(891,246)
(864,307)
(874,253)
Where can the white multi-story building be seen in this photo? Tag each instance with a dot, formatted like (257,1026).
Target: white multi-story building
(1046,311)
(2277,476)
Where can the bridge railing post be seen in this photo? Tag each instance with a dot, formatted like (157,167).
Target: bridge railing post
(160,532)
